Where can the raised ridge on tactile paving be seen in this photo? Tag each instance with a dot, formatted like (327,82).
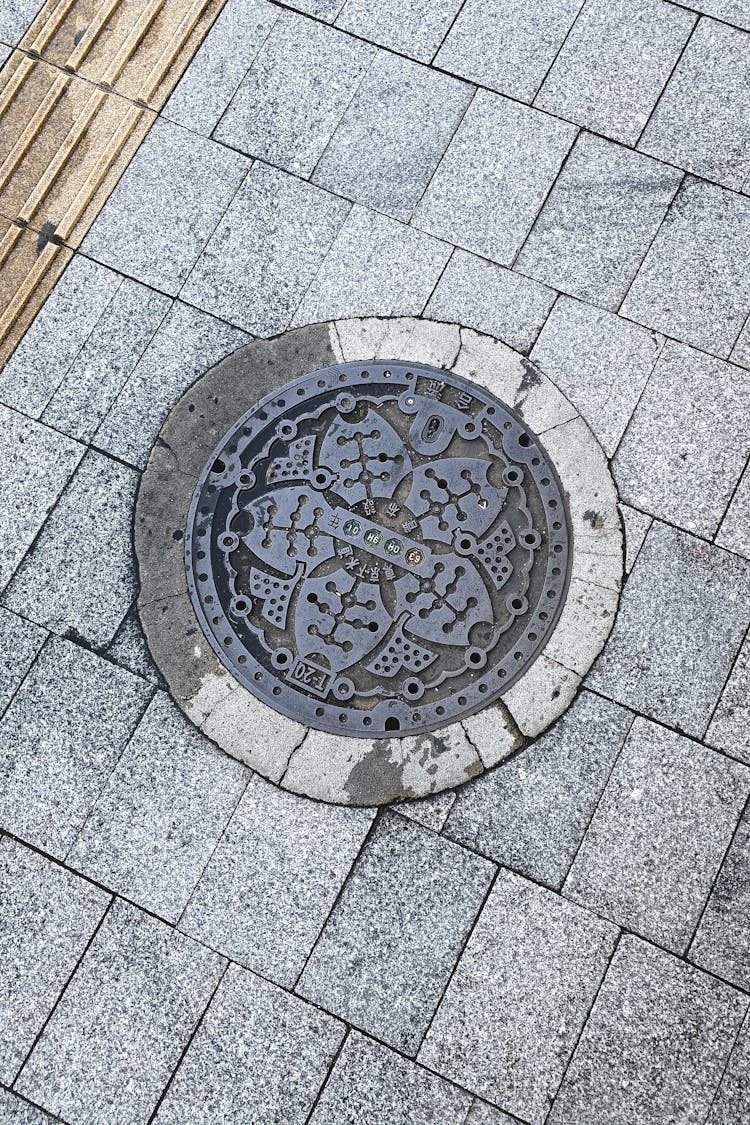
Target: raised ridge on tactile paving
(76,99)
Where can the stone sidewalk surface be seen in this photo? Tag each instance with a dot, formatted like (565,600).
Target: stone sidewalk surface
(566,939)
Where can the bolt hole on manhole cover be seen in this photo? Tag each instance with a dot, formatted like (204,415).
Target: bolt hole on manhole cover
(385,576)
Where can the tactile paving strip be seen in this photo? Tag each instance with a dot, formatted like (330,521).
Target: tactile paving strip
(76,99)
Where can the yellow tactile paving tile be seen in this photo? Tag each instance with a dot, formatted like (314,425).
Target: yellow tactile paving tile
(76,99)
(29,267)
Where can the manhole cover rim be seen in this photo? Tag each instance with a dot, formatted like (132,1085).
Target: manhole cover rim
(328,721)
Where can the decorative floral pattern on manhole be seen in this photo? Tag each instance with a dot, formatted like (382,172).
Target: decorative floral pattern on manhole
(378,549)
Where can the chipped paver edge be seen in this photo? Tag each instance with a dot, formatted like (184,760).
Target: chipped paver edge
(334,768)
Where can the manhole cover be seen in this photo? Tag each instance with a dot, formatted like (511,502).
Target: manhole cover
(378,549)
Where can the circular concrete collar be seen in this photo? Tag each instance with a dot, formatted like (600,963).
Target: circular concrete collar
(331,766)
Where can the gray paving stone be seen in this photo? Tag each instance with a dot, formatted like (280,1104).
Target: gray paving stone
(414,29)
(207,86)
(35,465)
(596,226)
(532,814)
(731,11)
(658,836)
(481,295)
(17,1111)
(295,93)
(273,879)
(636,526)
(5,50)
(370,1085)
(473,199)
(187,343)
(78,576)
(257,1047)
(47,916)
(20,641)
(614,64)
(654,1047)
(395,266)
(695,281)
(54,338)
(720,943)
(15,18)
(59,739)
(118,1032)
(103,365)
(730,726)
(392,135)
(483,1114)
(432,812)
(702,121)
(682,618)
(129,649)
(493,1032)
(396,932)
(322,9)
(732,1103)
(688,440)
(507,45)
(734,533)
(741,350)
(165,207)
(265,251)
(159,819)
(600,361)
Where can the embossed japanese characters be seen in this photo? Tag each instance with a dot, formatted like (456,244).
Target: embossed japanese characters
(378,548)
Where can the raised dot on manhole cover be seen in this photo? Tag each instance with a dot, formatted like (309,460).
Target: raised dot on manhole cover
(378,549)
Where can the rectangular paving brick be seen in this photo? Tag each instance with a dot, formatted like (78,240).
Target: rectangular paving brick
(390,944)
(79,575)
(682,618)
(531,815)
(600,361)
(257,1050)
(730,725)
(688,440)
(17,1111)
(393,134)
(124,1020)
(614,64)
(15,18)
(473,199)
(47,916)
(35,465)
(295,93)
(732,1103)
(598,222)
(702,121)
(410,28)
(266,251)
(659,834)
(694,284)
(493,1032)
(158,820)
(732,11)
(185,345)
(49,347)
(207,86)
(97,375)
(481,295)
(734,533)
(654,1016)
(370,1083)
(166,206)
(20,641)
(59,739)
(396,268)
(720,943)
(273,879)
(507,45)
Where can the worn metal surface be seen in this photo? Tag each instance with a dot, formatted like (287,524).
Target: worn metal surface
(378,549)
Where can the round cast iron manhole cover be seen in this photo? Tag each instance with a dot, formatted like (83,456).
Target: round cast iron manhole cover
(378,549)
